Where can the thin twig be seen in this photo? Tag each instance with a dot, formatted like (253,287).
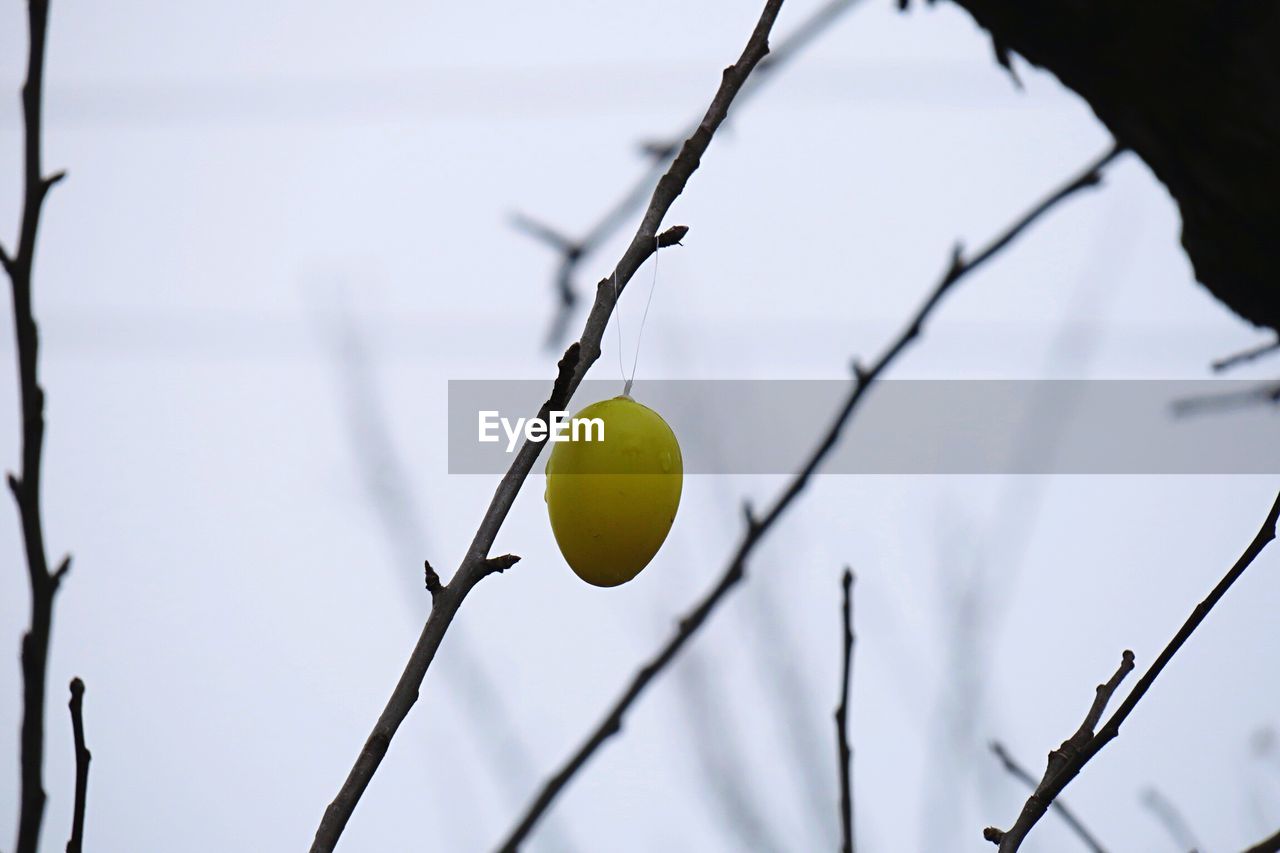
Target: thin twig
(1170,817)
(573,367)
(843,752)
(26,486)
(1018,772)
(574,251)
(83,756)
(1262,394)
(1225,364)
(1066,763)
(755,528)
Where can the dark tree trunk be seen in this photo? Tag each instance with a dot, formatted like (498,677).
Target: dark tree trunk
(1192,87)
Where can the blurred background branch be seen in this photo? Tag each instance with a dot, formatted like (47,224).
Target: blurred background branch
(716,746)
(1017,771)
(573,251)
(399,510)
(1168,815)
(1246,356)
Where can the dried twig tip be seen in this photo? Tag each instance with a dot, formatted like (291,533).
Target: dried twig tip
(501,564)
(63,567)
(672,236)
(432,579)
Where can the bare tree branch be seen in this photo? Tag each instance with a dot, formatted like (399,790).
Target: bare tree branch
(1018,772)
(26,486)
(1074,745)
(1066,762)
(1262,394)
(843,753)
(756,527)
(573,367)
(83,756)
(1225,364)
(1170,817)
(573,252)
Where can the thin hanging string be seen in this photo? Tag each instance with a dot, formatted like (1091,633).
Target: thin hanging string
(653,285)
(617,316)
(617,319)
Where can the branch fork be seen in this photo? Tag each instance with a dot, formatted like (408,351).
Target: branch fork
(1066,762)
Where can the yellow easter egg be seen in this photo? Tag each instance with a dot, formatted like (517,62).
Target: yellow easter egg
(612,501)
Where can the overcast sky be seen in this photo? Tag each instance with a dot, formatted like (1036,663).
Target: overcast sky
(285,228)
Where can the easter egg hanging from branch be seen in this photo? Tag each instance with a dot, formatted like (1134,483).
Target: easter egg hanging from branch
(612,499)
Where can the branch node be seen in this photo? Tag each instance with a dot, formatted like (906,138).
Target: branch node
(1005,60)
(995,836)
(500,564)
(672,236)
(860,372)
(565,370)
(432,579)
(61,572)
(957,261)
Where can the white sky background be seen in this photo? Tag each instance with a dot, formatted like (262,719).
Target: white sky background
(240,173)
